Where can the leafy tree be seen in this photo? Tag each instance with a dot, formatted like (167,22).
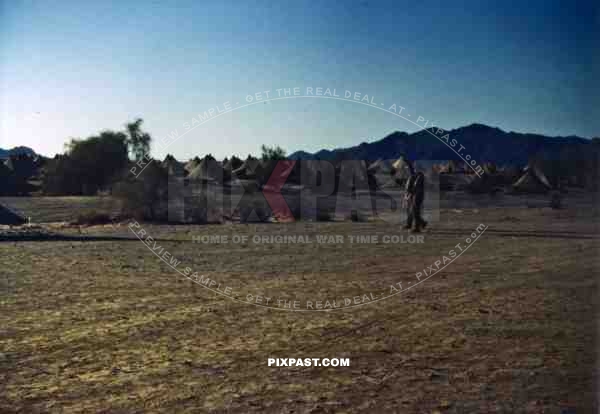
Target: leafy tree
(272,153)
(89,165)
(137,140)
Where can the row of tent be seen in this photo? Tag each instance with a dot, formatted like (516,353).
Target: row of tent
(209,169)
(530,179)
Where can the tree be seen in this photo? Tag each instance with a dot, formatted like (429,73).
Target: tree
(89,165)
(137,140)
(272,153)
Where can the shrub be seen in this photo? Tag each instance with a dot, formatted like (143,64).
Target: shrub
(325,215)
(145,197)
(358,216)
(90,165)
(92,218)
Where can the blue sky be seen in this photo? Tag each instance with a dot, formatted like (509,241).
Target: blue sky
(73,68)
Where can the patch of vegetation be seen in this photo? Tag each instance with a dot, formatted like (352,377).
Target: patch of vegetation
(92,218)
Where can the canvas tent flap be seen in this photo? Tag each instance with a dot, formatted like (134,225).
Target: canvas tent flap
(207,169)
(533,180)
(10,217)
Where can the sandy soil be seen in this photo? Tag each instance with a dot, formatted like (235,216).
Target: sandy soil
(93,321)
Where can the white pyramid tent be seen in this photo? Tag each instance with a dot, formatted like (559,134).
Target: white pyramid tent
(533,180)
(402,169)
(247,170)
(208,169)
(192,164)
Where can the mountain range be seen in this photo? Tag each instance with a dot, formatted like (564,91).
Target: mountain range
(15,151)
(483,143)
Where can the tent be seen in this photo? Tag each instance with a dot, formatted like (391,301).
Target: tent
(208,169)
(7,180)
(390,174)
(10,217)
(247,171)
(173,166)
(509,174)
(533,180)
(22,166)
(380,167)
(228,165)
(485,183)
(4,170)
(402,170)
(455,182)
(192,164)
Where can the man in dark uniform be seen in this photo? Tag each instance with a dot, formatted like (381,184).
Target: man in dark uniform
(414,195)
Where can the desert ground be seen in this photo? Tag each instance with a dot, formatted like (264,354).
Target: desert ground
(92,321)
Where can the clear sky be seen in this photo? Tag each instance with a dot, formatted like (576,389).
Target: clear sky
(69,69)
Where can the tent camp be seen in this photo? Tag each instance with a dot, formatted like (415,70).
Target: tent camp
(232,164)
(207,170)
(247,171)
(4,171)
(380,167)
(173,166)
(455,182)
(228,165)
(402,170)
(10,217)
(192,164)
(390,173)
(22,166)
(533,180)
(510,170)
(485,183)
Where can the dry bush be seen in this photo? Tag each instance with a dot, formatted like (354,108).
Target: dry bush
(92,218)
(358,216)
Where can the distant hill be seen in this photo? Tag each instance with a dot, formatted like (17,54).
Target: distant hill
(483,143)
(15,151)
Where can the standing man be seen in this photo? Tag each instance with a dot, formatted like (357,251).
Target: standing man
(414,195)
